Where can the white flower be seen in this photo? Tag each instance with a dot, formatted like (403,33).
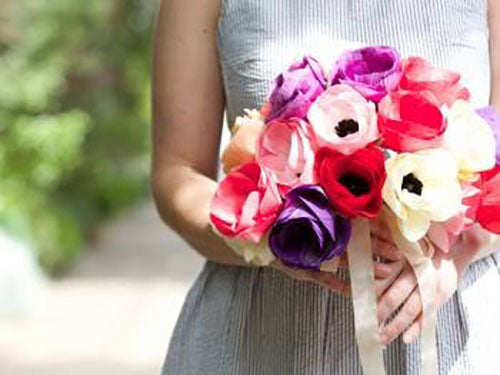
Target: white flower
(420,188)
(469,139)
(259,254)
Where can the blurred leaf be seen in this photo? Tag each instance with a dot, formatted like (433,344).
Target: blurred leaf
(74,117)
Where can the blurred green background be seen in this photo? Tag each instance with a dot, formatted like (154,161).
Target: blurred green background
(74,118)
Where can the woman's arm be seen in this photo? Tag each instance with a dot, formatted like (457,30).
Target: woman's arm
(188,104)
(494,25)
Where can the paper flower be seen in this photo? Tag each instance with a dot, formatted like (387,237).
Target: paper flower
(469,139)
(343,119)
(296,89)
(410,121)
(444,235)
(259,254)
(308,232)
(420,188)
(491,116)
(421,75)
(245,204)
(372,71)
(241,148)
(485,206)
(352,182)
(284,151)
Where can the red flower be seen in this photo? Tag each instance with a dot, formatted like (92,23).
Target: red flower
(485,206)
(420,75)
(352,182)
(411,121)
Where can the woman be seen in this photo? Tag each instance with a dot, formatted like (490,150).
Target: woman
(213,55)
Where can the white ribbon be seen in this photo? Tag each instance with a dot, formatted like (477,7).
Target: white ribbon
(427,283)
(364,298)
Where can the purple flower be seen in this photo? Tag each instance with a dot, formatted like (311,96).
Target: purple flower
(296,89)
(308,232)
(373,71)
(491,116)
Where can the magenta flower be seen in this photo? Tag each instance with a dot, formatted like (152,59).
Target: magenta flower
(491,116)
(372,71)
(296,89)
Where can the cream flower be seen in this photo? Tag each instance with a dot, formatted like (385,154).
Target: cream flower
(259,254)
(422,187)
(469,139)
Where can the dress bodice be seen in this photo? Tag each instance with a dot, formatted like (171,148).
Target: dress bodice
(259,38)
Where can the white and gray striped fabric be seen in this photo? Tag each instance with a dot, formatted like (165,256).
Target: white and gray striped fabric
(259,322)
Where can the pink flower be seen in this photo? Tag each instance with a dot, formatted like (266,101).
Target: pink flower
(420,75)
(245,205)
(373,71)
(285,152)
(343,119)
(444,235)
(411,121)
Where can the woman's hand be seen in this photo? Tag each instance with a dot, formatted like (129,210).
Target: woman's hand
(388,265)
(329,280)
(404,292)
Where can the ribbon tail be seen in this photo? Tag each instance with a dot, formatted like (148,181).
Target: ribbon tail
(365,299)
(426,277)
(427,280)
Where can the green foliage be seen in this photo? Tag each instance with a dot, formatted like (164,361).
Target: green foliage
(74,117)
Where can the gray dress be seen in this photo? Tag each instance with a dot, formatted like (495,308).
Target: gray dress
(260,322)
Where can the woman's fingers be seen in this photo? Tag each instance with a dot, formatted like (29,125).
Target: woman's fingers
(344,263)
(413,332)
(396,294)
(332,282)
(382,284)
(381,230)
(388,270)
(329,280)
(405,318)
(387,250)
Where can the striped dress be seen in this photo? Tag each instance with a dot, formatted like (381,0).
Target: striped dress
(241,321)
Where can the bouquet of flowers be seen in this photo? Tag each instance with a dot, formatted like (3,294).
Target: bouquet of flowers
(329,151)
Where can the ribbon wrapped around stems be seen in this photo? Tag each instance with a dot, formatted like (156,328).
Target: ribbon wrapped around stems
(365,300)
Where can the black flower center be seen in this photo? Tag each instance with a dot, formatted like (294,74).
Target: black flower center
(355,184)
(412,184)
(346,127)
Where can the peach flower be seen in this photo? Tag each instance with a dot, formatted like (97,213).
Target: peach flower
(241,148)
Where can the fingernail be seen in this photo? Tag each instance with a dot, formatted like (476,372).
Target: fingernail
(384,339)
(408,339)
(384,267)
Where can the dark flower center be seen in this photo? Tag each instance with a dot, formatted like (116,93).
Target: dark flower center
(412,184)
(346,127)
(355,184)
